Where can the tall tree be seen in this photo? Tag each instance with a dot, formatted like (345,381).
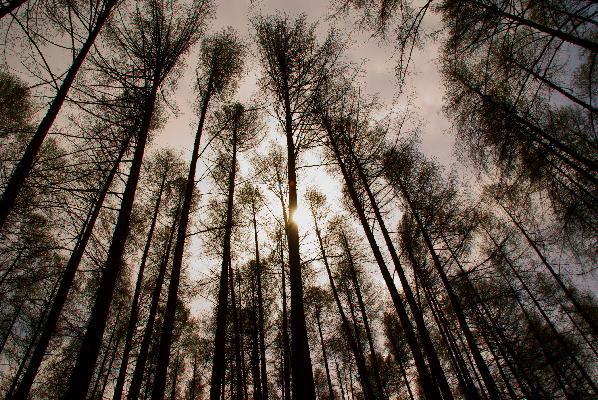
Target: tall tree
(221,60)
(295,65)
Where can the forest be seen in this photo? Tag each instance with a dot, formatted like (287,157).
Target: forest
(294,237)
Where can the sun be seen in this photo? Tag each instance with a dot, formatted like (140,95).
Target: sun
(301,217)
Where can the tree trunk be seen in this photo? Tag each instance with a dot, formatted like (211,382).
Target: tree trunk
(285,330)
(260,306)
(303,380)
(23,168)
(134,314)
(328,379)
(237,336)
(558,336)
(455,303)
(255,358)
(218,363)
(68,276)
(177,261)
(142,357)
(106,356)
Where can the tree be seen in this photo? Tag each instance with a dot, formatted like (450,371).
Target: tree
(294,67)
(220,65)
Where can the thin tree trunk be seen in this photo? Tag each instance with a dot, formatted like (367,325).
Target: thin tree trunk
(23,168)
(237,336)
(533,391)
(218,363)
(30,346)
(557,334)
(260,305)
(255,358)
(175,377)
(328,379)
(15,315)
(177,261)
(134,314)
(68,276)
(142,357)
(107,354)
(110,364)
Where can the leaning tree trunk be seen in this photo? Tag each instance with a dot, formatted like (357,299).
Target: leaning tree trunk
(24,166)
(177,261)
(368,331)
(68,276)
(142,357)
(454,300)
(134,314)
(325,356)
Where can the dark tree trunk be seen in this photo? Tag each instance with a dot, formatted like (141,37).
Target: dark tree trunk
(23,168)
(237,336)
(175,377)
(66,281)
(255,358)
(324,355)
(218,363)
(303,380)
(285,331)
(142,357)
(430,388)
(105,359)
(366,324)
(557,335)
(177,261)
(134,314)
(503,344)
(260,306)
(30,346)
(13,319)
(83,371)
